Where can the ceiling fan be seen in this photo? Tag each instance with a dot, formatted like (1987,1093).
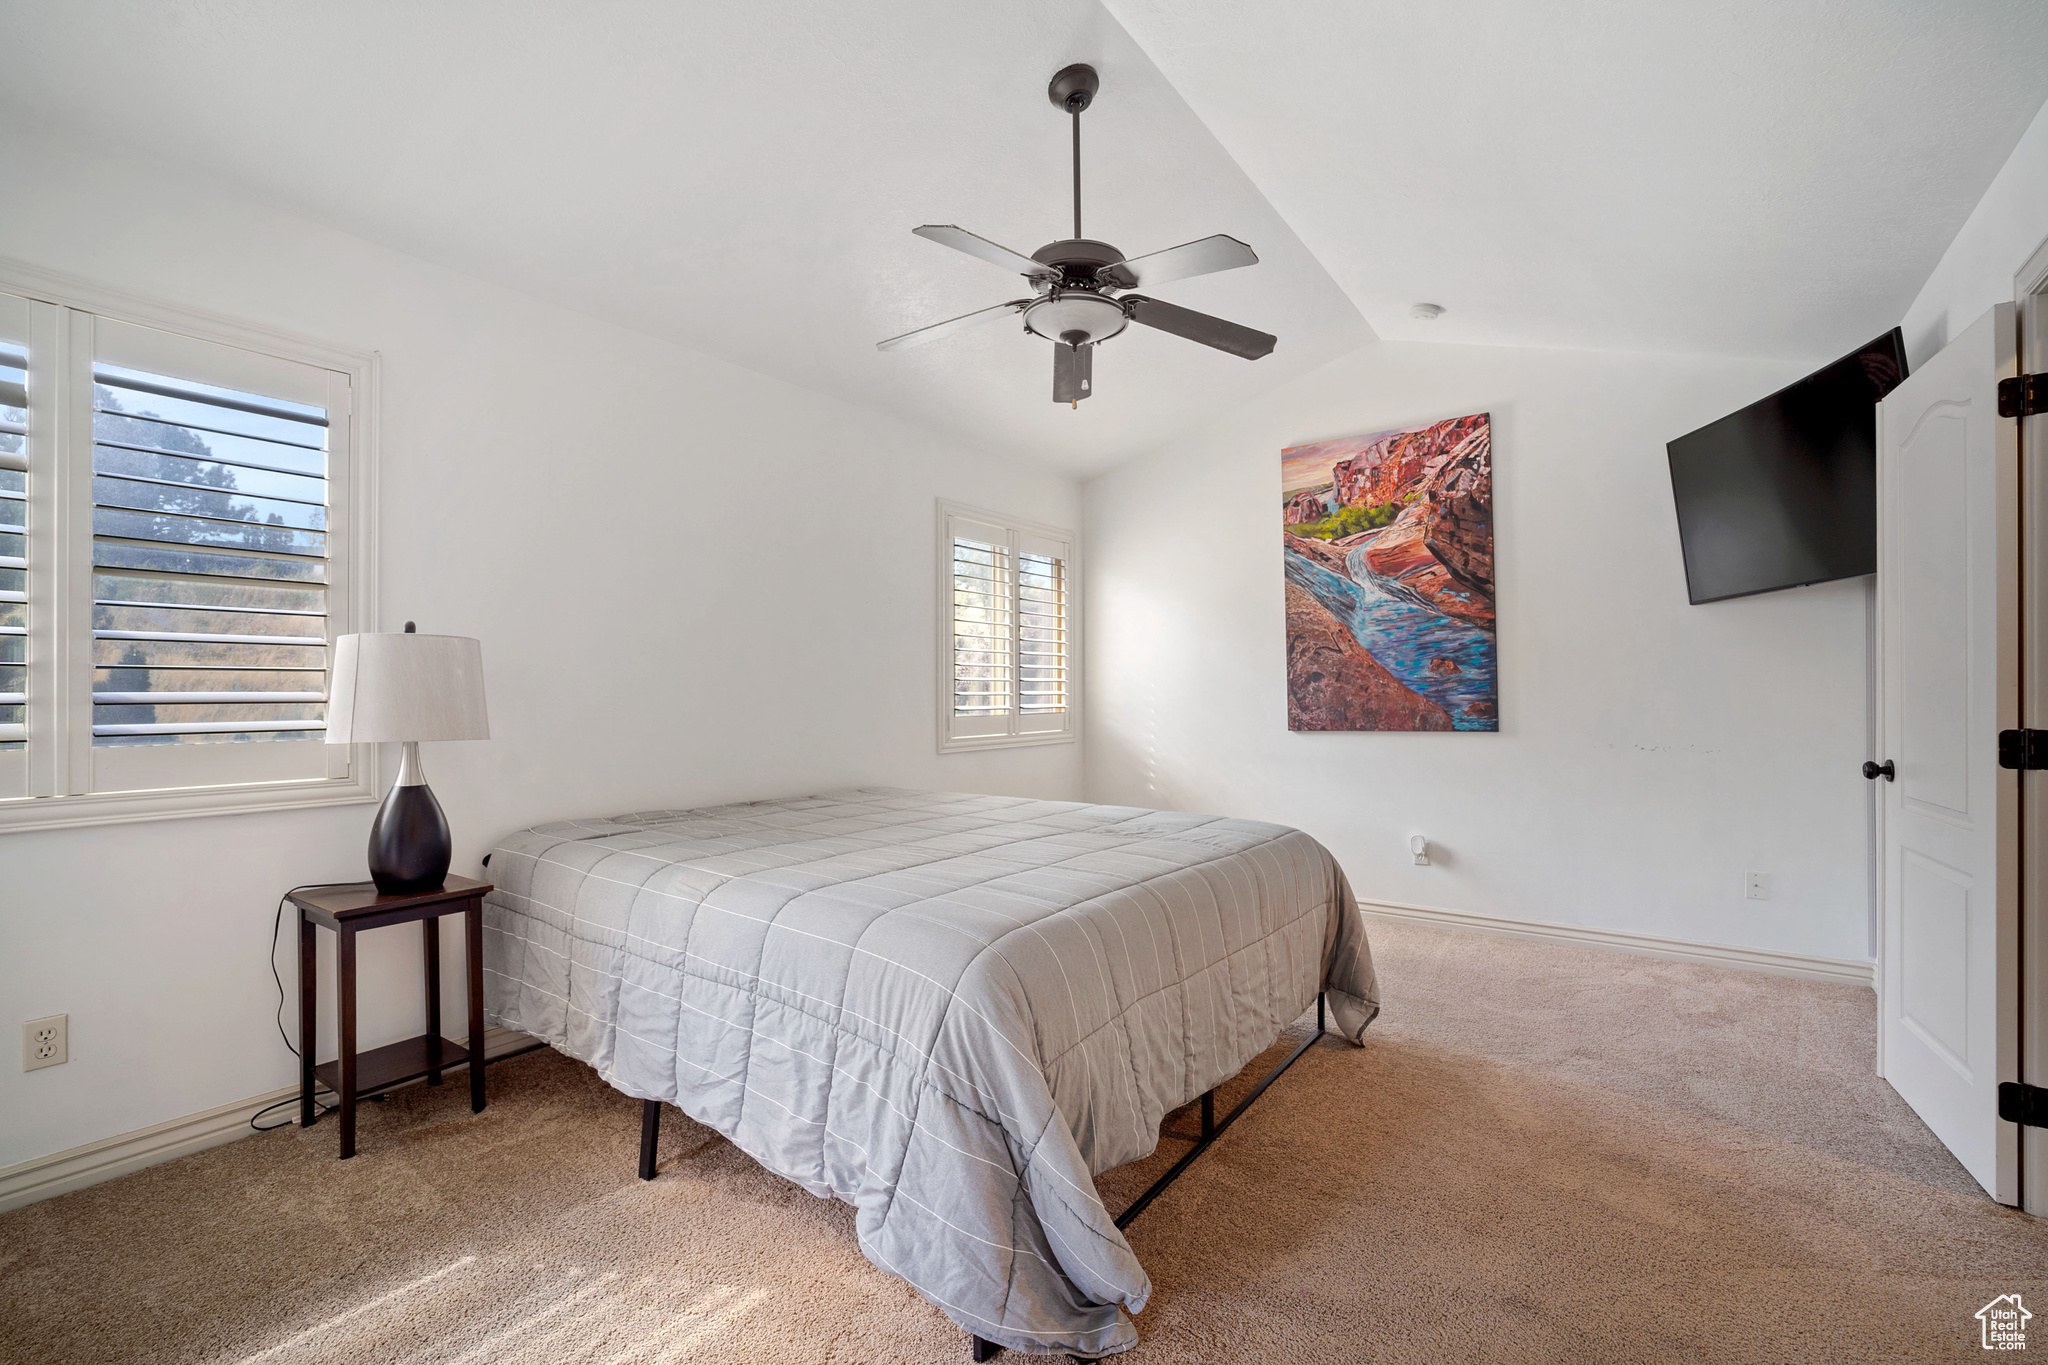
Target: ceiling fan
(1078,299)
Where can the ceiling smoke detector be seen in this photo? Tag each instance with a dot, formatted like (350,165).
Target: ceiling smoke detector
(1428,312)
(1078,298)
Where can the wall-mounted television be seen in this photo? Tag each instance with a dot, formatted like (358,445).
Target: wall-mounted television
(1784,492)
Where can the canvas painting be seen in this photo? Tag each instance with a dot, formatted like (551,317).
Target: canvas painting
(1389,546)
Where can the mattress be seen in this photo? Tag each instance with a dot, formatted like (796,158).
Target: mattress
(949,1011)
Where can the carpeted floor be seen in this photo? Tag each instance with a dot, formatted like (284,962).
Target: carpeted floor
(1542,1154)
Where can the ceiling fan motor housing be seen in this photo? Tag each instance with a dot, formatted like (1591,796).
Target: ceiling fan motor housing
(1079,257)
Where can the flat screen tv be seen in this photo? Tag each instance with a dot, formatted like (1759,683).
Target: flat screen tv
(1784,492)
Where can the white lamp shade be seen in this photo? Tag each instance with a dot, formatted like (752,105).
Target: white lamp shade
(406,687)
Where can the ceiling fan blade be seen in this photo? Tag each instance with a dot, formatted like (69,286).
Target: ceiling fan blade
(1205,257)
(1186,322)
(960,239)
(1073,372)
(948,327)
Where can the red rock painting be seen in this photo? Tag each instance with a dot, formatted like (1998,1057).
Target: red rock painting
(1388,548)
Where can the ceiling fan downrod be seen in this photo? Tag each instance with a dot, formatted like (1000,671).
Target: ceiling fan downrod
(1073,90)
(1077,174)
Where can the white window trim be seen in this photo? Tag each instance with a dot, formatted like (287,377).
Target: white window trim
(363,369)
(948,742)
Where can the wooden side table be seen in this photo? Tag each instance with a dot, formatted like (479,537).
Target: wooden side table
(348,910)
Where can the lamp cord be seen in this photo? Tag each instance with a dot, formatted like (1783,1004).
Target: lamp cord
(276,929)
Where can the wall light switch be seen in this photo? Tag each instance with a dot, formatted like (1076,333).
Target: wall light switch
(1759,888)
(45,1042)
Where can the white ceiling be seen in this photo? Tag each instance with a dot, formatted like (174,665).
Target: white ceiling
(1759,177)
(739,178)
(1750,178)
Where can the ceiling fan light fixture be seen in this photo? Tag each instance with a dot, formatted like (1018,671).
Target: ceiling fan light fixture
(1091,315)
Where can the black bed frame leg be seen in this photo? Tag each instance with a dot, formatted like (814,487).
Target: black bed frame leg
(984,1350)
(1211,1129)
(650,1134)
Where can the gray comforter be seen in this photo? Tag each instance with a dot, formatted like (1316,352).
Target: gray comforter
(949,1011)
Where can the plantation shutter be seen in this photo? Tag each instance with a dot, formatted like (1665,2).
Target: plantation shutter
(14,523)
(179,529)
(1005,633)
(214,552)
(1041,635)
(983,652)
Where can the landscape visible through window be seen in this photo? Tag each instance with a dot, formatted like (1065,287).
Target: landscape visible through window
(209,563)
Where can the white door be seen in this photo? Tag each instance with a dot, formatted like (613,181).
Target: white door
(1948,660)
(2031,286)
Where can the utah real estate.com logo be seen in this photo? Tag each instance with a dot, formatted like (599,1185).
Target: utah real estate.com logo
(2005,1323)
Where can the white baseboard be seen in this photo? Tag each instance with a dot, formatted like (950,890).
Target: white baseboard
(62,1172)
(1842,971)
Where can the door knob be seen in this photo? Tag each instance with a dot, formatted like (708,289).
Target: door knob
(1873,771)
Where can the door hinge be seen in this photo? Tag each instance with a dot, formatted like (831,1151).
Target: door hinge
(2026,1105)
(2023,395)
(2023,748)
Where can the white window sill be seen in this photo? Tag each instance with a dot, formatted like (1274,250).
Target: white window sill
(122,808)
(966,743)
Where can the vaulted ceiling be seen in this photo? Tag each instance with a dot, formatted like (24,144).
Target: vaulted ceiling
(1750,177)
(1745,178)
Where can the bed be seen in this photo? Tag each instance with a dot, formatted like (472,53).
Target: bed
(949,1011)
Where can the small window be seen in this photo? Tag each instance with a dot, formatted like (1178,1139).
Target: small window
(176,554)
(1006,631)
(13,547)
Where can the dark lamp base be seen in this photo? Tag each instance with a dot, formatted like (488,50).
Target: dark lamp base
(409,843)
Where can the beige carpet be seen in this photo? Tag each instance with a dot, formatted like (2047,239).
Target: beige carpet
(1543,1154)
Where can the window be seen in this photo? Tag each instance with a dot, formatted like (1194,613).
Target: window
(13,545)
(182,533)
(1006,631)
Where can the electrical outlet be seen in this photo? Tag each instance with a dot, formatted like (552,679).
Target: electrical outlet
(1759,888)
(45,1042)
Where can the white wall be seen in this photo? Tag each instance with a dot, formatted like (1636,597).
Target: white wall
(693,584)
(635,531)
(1650,752)
(1976,271)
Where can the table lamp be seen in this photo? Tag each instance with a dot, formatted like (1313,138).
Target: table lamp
(407,688)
